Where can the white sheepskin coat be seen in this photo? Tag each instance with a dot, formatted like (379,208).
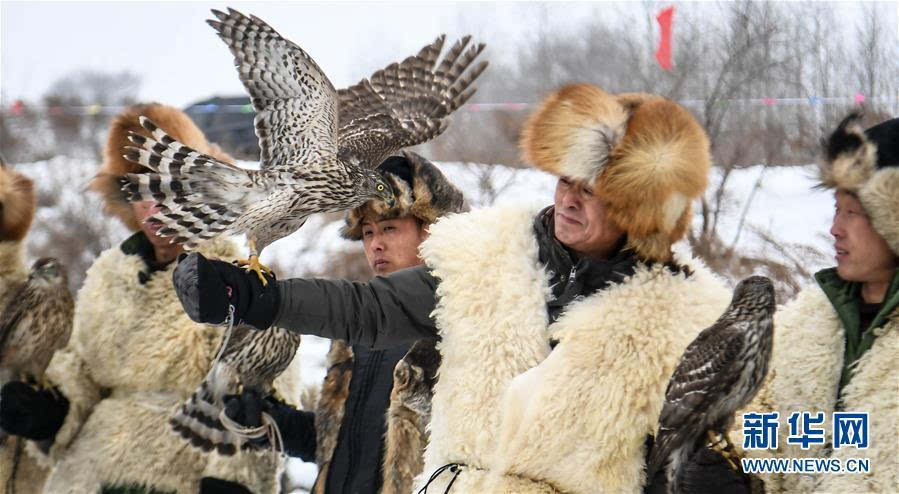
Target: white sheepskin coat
(809,343)
(522,417)
(133,357)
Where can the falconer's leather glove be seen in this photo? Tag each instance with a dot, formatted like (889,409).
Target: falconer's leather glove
(297,427)
(32,413)
(207,287)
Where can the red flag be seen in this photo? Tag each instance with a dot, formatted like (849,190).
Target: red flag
(663,54)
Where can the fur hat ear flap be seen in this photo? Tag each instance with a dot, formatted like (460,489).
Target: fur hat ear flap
(107,182)
(660,166)
(421,191)
(646,156)
(574,132)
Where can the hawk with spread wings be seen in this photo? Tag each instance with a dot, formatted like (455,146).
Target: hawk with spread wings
(719,372)
(319,145)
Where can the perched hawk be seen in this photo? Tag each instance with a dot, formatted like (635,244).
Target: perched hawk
(319,145)
(720,372)
(36,321)
(249,360)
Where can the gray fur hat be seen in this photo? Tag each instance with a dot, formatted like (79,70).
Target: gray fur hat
(866,164)
(421,191)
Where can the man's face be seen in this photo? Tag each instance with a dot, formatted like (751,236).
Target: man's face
(862,254)
(581,221)
(142,211)
(391,245)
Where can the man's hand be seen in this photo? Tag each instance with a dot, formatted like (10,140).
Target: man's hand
(297,427)
(207,287)
(31,413)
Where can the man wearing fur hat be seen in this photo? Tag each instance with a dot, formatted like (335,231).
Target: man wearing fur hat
(133,356)
(559,326)
(836,345)
(359,434)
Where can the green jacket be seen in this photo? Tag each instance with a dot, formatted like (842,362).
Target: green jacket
(845,296)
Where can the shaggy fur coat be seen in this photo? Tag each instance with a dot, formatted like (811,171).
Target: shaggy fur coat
(29,475)
(133,357)
(809,342)
(405,436)
(522,417)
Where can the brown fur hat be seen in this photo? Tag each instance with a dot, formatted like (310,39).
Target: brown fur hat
(421,191)
(866,164)
(108,180)
(646,156)
(17,203)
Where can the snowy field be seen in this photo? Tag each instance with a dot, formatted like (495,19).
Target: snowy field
(784,205)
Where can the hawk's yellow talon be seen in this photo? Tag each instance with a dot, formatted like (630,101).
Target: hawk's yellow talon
(253,264)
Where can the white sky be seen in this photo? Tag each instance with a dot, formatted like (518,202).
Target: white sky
(180,60)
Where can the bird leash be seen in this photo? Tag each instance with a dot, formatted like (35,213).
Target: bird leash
(269,428)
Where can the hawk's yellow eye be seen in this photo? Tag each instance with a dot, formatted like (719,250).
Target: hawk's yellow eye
(380,187)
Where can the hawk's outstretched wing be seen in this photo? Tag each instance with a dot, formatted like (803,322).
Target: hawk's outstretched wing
(406,103)
(295,103)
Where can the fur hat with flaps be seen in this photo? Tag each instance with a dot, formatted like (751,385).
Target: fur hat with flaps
(108,181)
(17,203)
(645,156)
(421,191)
(866,164)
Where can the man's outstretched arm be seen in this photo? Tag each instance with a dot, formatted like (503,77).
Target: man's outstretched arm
(387,310)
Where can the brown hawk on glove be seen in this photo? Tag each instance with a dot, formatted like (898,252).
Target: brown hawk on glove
(719,372)
(36,321)
(250,360)
(319,145)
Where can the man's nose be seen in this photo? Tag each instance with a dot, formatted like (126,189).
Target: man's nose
(571,198)
(377,242)
(836,228)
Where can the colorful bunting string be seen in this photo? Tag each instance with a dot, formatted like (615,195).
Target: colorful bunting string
(19,108)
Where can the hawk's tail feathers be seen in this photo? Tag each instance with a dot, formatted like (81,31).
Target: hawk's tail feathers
(199,196)
(662,447)
(197,421)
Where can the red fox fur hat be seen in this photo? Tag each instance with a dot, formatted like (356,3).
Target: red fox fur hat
(17,203)
(177,124)
(646,156)
(866,164)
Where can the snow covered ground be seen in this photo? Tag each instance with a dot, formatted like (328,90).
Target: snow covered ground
(784,206)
